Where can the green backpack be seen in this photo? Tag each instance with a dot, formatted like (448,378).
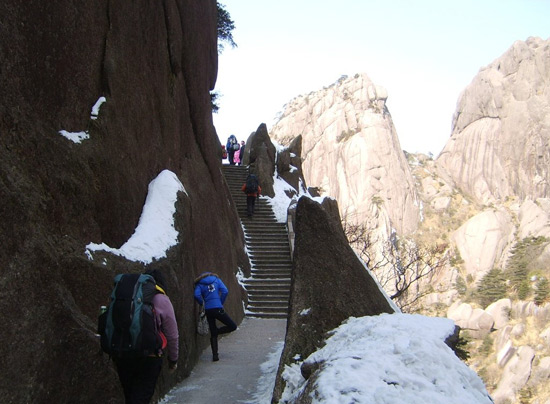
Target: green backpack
(129,327)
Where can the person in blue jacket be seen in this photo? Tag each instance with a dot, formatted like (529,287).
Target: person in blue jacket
(211,291)
(232,146)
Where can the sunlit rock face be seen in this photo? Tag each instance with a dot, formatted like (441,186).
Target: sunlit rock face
(350,150)
(484,241)
(499,145)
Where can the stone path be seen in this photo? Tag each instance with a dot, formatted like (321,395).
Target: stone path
(239,376)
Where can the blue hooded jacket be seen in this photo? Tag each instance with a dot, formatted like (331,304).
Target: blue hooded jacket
(210,288)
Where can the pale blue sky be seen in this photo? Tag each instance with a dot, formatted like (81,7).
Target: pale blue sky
(424,52)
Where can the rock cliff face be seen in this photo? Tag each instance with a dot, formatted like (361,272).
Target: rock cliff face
(351,152)
(264,160)
(154,63)
(501,128)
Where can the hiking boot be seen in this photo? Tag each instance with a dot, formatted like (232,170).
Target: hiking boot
(214,345)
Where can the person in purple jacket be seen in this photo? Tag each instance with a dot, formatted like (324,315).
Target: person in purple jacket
(211,291)
(138,376)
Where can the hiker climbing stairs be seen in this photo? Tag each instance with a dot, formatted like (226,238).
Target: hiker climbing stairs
(268,249)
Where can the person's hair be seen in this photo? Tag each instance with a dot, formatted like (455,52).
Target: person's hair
(158,276)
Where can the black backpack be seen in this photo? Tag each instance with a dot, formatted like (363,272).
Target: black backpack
(129,327)
(251,186)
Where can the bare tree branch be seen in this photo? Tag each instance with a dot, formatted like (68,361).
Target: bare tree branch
(402,268)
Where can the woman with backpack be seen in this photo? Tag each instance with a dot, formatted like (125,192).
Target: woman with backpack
(137,373)
(212,292)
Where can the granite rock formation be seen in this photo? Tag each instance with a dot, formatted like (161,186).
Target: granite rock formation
(260,155)
(154,63)
(350,150)
(501,131)
(329,284)
(484,241)
(265,160)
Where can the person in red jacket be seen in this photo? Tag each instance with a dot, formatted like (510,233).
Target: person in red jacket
(252,190)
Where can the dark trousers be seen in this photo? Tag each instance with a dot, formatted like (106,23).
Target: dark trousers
(138,377)
(219,314)
(231,156)
(250,202)
(228,326)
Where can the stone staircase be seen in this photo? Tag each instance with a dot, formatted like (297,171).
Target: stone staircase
(268,249)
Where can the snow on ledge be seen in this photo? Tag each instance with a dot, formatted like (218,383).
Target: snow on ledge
(155,233)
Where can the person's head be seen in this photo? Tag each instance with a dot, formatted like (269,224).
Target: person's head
(242,142)
(158,276)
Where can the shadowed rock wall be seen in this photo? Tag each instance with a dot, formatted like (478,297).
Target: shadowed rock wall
(154,62)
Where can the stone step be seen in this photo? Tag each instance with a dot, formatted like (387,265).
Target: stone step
(277,253)
(256,292)
(262,240)
(268,283)
(268,264)
(276,238)
(259,234)
(267,315)
(268,305)
(268,267)
(259,218)
(266,255)
(275,241)
(274,289)
(263,223)
(277,257)
(253,296)
(268,309)
(262,230)
(258,222)
(275,262)
(281,244)
(267,250)
(271,275)
(273,257)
